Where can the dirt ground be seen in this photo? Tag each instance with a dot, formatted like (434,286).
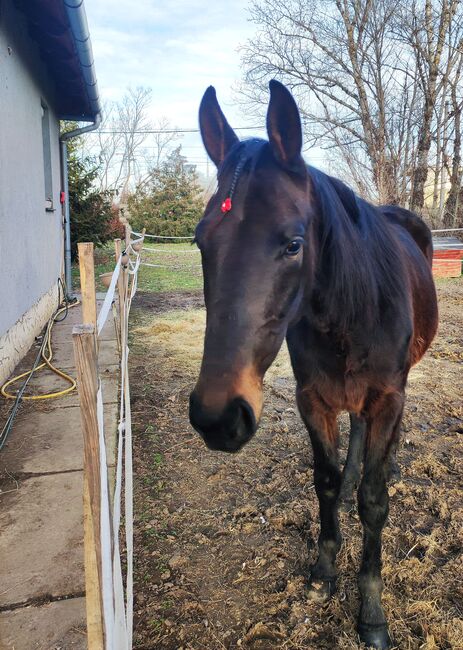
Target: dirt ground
(223,544)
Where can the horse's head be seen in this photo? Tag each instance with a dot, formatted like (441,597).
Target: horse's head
(256,263)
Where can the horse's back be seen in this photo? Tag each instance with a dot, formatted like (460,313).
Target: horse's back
(413,224)
(424,298)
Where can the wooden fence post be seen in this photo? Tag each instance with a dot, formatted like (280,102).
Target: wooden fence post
(87,282)
(83,337)
(85,354)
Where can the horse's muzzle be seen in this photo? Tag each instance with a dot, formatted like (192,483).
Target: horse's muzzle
(225,431)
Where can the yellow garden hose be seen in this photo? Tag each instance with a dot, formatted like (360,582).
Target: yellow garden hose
(47,355)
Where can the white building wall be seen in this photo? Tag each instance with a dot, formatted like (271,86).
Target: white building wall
(30,237)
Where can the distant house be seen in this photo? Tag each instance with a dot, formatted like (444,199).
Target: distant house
(46,75)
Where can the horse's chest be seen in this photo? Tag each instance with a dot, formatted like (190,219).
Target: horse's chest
(342,379)
(337,370)
(346,392)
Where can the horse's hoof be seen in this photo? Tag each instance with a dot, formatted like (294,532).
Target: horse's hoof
(320,591)
(375,636)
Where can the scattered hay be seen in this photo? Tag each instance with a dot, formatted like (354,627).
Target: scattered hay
(260,636)
(177,336)
(429,466)
(180,336)
(224,543)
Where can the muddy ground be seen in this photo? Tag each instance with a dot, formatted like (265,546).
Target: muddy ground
(223,544)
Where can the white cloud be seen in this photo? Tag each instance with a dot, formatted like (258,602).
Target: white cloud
(177,49)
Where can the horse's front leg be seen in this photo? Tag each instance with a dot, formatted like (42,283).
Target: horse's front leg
(373,501)
(323,430)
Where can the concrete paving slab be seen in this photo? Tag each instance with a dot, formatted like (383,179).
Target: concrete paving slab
(41,528)
(41,544)
(63,354)
(48,627)
(108,353)
(51,441)
(109,331)
(26,363)
(63,331)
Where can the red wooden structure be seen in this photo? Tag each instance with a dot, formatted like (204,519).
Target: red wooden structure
(448,256)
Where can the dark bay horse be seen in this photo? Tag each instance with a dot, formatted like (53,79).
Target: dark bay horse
(288,251)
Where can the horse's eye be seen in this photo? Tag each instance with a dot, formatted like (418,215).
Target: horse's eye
(293,247)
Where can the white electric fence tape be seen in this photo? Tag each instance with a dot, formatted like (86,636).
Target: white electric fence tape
(128,506)
(448,230)
(105,525)
(109,298)
(120,629)
(160,236)
(176,267)
(191,237)
(117,599)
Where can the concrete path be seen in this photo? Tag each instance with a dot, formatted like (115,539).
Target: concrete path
(42,588)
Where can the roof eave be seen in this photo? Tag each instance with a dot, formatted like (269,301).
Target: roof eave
(79,29)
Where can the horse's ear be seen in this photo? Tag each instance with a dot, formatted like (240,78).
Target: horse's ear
(218,136)
(284,127)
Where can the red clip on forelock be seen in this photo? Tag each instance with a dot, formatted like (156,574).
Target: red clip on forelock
(226,205)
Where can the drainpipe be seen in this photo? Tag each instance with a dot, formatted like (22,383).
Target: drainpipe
(65,184)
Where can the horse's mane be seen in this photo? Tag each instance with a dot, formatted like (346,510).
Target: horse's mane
(360,269)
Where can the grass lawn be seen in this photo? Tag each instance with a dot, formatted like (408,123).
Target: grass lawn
(181,261)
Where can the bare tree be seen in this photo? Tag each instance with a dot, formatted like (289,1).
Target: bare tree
(108,148)
(121,135)
(453,215)
(372,78)
(433,30)
(134,123)
(129,143)
(163,138)
(354,84)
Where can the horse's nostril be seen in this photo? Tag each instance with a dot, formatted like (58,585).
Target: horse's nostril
(197,414)
(247,417)
(228,430)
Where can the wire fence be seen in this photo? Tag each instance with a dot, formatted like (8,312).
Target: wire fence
(161,250)
(442,263)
